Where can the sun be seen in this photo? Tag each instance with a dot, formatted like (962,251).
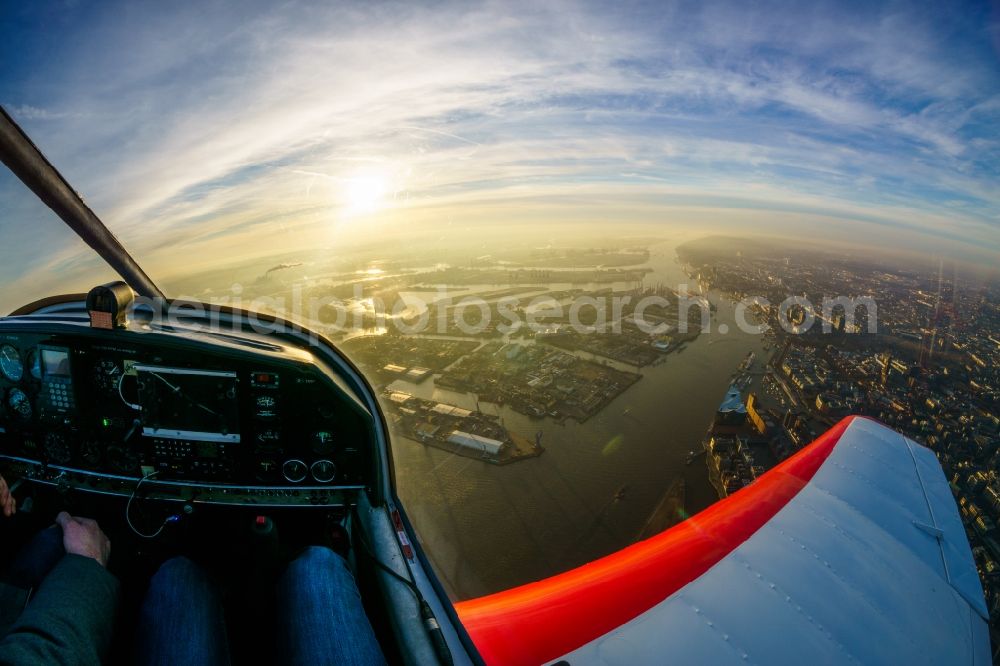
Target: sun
(365,193)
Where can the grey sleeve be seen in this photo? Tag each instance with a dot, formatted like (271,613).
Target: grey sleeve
(69,619)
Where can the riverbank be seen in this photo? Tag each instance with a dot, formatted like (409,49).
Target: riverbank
(490,527)
(668,512)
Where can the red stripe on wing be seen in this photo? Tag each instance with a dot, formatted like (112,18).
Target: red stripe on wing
(541,621)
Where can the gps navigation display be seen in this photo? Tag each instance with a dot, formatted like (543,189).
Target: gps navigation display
(188,404)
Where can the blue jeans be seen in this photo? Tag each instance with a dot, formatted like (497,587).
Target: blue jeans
(319,616)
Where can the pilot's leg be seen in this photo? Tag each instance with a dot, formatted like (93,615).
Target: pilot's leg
(36,559)
(31,564)
(320,619)
(181,619)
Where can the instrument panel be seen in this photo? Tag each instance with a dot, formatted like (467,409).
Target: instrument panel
(228,416)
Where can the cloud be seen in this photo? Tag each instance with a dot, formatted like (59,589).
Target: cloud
(27,112)
(193,126)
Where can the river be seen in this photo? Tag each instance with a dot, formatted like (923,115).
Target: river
(487,528)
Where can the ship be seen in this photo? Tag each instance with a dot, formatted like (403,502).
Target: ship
(692,456)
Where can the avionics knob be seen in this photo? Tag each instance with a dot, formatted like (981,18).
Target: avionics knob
(294,470)
(323,471)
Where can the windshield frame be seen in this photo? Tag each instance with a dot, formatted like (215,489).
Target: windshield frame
(31,167)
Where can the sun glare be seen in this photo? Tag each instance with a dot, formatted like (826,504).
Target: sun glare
(365,194)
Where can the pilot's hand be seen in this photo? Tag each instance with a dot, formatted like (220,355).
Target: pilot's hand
(83,536)
(7,502)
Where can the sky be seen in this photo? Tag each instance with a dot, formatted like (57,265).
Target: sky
(202,132)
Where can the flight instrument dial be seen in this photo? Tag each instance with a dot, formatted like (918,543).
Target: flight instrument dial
(18,402)
(322,442)
(294,470)
(10,363)
(35,364)
(323,471)
(107,374)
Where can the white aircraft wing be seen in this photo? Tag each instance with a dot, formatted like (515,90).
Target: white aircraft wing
(851,551)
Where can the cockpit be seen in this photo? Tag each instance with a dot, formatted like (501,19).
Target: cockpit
(187,410)
(230,437)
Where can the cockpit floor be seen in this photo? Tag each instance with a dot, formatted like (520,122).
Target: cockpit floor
(228,542)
